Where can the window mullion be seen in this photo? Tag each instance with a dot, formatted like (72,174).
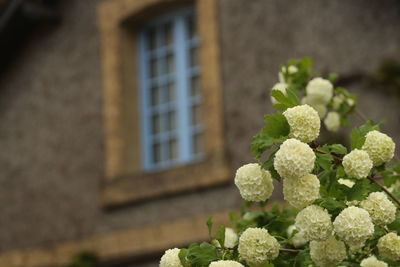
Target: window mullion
(181,75)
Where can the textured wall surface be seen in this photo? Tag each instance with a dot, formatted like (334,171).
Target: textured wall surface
(51,139)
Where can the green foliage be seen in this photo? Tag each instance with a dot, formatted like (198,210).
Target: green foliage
(198,255)
(209,226)
(220,236)
(285,101)
(357,138)
(84,259)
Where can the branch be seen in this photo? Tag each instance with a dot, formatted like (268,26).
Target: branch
(290,250)
(323,152)
(386,191)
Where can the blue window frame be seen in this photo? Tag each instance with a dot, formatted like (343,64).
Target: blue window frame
(171,97)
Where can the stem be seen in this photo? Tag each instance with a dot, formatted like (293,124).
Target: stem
(362,116)
(386,191)
(323,152)
(290,250)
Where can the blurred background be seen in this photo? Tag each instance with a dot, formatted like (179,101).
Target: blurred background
(122,121)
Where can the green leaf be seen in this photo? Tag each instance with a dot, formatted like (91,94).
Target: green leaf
(338,149)
(288,101)
(202,255)
(333,206)
(324,160)
(209,226)
(396,224)
(220,236)
(358,134)
(276,125)
(261,143)
(183,257)
(332,77)
(340,172)
(360,190)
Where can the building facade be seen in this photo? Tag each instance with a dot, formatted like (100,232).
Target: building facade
(121,127)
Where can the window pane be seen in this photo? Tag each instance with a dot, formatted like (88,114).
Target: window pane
(195,86)
(173,149)
(198,143)
(192,29)
(156,149)
(155,96)
(154,67)
(155,123)
(170,63)
(194,57)
(168,34)
(170,92)
(196,115)
(152,39)
(171,121)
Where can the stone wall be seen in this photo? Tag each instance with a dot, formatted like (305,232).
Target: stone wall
(51,131)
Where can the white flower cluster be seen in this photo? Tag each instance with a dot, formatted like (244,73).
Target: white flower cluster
(304,123)
(225,264)
(231,238)
(254,183)
(171,258)
(329,252)
(379,147)
(357,164)
(354,226)
(314,223)
(346,182)
(372,261)
(280,87)
(257,246)
(380,208)
(320,108)
(319,91)
(332,121)
(294,159)
(291,69)
(297,239)
(389,246)
(301,192)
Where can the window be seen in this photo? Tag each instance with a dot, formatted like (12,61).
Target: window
(152,56)
(172,131)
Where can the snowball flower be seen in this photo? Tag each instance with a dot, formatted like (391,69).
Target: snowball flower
(298,239)
(354,226)
(254,183)
(171,258)
(230,238)
(280,87)
(257,246)
(314,222)
(292,69)
(380,208)
(379,147)
(301,192)
(372,261)
(294,159)
(320,108)
(332,121)
(337,101)
(346,182)
(357,164)
(304,123)
(225,264)
(320,90)
(328,253)
(389,246)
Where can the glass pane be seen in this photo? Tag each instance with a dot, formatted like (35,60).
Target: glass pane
(194,57)
(196,115)
(173,149)
(154,67)
(171,121)
(168,34)
(156,152)
(170,63)
(155,124)
(195,86)
(152,39)
(198,143)
(170,92)
(155,96)
(192,29)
